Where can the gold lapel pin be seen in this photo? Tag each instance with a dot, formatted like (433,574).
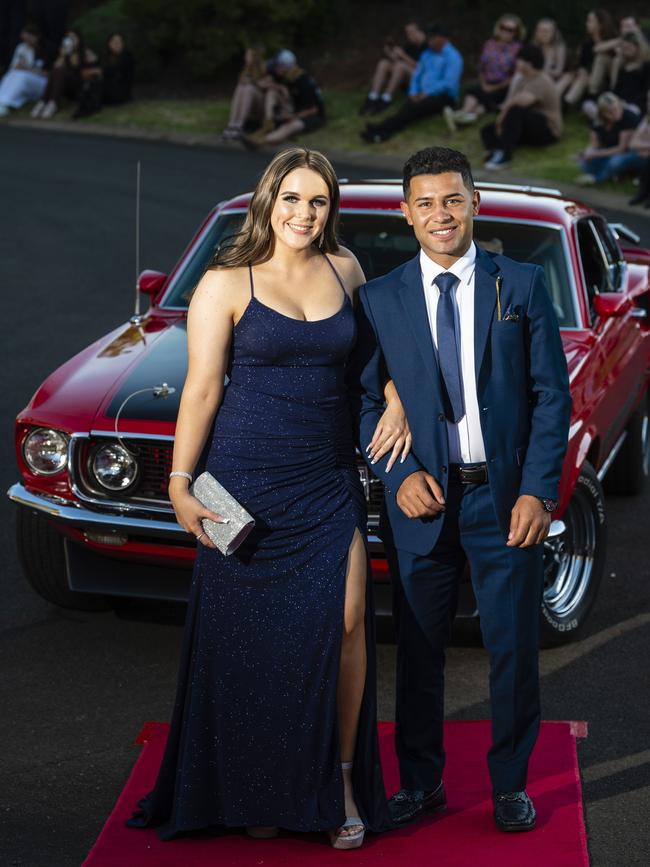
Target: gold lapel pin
(499,281)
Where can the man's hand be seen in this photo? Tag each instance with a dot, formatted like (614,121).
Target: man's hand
(529,522)
(420,496)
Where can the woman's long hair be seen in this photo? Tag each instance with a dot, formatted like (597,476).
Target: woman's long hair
(557,40)
(255,240)
(255,68)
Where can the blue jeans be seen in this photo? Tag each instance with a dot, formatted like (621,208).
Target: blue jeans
(603,168)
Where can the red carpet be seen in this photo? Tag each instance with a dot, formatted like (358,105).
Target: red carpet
(463,836)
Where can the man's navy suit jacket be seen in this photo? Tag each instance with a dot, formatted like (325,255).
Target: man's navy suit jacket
(521,377)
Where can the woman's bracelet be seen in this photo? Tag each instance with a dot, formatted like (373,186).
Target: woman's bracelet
(181,473)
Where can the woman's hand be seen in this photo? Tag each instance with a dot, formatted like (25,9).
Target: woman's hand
(392,433)
(189,513)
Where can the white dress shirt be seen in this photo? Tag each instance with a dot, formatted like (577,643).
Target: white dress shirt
(465,437)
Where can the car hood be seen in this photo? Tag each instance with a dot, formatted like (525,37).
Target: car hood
(86,392)
(122,368)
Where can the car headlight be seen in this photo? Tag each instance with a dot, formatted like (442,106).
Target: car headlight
(46,451)
(114,467)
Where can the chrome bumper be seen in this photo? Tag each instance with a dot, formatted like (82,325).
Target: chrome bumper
(79,516)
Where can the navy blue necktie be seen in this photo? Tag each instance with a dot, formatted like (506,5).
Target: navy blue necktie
(448,354)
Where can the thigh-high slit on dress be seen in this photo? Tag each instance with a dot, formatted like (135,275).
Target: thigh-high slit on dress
(254,732)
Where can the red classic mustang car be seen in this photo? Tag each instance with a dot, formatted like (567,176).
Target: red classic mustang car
(94,443)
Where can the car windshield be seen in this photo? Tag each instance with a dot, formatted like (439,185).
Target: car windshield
(384,240)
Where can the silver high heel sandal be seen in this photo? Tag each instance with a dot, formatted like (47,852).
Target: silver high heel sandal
(348,841)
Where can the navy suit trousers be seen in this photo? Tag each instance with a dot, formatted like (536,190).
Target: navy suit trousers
(508,585)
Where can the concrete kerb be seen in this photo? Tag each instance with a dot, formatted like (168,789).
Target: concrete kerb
(389,164)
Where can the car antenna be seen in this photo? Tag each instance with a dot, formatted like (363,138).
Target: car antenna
(137,317)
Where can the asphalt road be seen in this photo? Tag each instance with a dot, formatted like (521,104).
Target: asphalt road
(75,687)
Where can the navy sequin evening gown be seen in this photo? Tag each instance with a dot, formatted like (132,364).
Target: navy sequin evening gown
(253,738)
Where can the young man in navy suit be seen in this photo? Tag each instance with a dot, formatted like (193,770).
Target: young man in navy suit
(473,345)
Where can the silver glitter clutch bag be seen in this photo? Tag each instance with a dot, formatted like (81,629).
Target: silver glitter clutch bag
(227,537)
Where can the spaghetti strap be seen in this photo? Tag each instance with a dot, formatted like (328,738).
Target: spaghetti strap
(250,274)
(336,274)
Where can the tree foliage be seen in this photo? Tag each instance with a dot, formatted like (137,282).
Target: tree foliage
(204,36)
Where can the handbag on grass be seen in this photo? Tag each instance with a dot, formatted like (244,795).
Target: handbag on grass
(227,537)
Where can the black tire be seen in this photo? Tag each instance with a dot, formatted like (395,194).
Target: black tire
(574,563)
(631,466)
(40,551)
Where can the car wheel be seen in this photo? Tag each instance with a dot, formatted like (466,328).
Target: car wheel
(631,466)
(40,551)
(574,561)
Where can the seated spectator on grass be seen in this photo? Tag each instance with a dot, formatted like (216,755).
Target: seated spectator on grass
(434,84)
(395,69)
(639,144)
(530,115)
(608,153)
(631,71)
(118,69)
(548,37)
(25,79)
(247,105)
(630,24)
(111,83)
(66,76)
(294,107)
(629,77)
(496,67)
(594,61)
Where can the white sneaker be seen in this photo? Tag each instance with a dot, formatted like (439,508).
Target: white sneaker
(37,111)
(450,118)
(4,111)
(50,109)
(585,179)
(498,160)
(465,118)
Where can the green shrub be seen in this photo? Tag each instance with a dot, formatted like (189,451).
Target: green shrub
(97,24)
(114,16)
(206,36)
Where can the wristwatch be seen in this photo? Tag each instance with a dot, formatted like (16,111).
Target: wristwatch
(549,505)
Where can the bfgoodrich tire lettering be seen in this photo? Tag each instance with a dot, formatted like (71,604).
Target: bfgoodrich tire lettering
(40,551)
(574,563)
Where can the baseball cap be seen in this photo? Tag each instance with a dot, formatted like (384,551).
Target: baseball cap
(285,58)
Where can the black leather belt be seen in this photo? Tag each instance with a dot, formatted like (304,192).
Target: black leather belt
(468,474)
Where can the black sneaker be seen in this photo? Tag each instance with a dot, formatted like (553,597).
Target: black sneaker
(513,811)
(380,105)
(369,106)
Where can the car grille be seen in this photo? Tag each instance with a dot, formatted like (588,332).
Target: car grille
(154,459)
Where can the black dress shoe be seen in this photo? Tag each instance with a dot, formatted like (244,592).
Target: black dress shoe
(640,198)
(409,804)
(514,811)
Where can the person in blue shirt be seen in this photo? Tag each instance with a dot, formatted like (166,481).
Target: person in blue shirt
(434,84)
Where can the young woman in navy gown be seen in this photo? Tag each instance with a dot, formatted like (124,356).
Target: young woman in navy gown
(274,724)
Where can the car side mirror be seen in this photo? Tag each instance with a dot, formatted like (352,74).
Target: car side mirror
(608,304)
(151,282)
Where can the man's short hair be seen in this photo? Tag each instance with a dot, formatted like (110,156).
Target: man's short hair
(437,29)
(532,54)
(436,161)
